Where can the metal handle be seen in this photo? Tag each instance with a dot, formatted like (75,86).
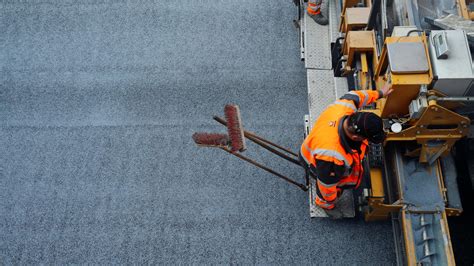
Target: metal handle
(287,179)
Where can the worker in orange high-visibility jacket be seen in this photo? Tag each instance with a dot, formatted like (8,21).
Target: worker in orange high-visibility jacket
(314,11)
(334,149)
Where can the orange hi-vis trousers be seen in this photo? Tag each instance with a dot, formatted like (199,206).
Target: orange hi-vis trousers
(314,7)
(326,194)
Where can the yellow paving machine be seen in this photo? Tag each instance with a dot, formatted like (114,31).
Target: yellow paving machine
(422,49)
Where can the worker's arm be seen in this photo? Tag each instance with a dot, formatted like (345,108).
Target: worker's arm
(328,175)
(365,97)
(362,98)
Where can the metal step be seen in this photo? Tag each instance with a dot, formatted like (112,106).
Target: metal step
(345,203)
(334,18)
(321,92)
(323,87)
(340,87)
(316,44)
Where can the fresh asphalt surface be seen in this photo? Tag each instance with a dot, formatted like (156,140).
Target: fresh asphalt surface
(98,102)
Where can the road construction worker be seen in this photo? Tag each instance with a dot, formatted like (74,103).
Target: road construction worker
(314,11)
(333,151)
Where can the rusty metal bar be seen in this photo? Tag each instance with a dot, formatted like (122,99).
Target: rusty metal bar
(271,143)
(265,146)
(287,179)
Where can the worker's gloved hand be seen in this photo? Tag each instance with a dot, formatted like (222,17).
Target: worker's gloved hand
(334,213)
(386,89)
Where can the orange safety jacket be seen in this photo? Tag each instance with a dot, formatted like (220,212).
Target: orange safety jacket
(324,144)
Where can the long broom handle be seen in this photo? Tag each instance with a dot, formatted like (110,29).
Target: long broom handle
(301,186)
(261,141)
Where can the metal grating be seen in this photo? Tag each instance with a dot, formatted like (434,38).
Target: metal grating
(317,47)
(321,87)
(341,86)
(320,91)
(345,203)
(333,21)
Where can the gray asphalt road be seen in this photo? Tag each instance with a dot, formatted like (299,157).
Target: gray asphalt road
(98,102)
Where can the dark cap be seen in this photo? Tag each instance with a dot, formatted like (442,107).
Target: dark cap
(368,125)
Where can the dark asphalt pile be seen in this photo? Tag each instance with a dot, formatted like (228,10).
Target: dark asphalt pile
(98,102)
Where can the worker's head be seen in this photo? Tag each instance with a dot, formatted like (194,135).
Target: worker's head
(365,125)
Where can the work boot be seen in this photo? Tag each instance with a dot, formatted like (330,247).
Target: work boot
(334,213)
(319,18)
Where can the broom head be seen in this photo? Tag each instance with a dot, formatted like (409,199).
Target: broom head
(211,139)
(235,128)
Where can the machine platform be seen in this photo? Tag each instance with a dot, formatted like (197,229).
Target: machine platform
(316,45)
(323,87)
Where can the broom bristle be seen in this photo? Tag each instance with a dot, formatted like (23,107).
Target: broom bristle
(211,139)
(235,128)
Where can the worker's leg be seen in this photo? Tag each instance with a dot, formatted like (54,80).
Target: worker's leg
(320,200)
(314,11)
(329,207)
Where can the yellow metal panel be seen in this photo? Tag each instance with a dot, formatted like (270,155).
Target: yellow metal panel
(410,79)
(358,42)
(376,182)
(396,104)
(409,241)
(353,3)
(448,248)
(364,40)
(441,185)
(354,18)
(405,86)
(383,62)
(350,3)
(462,9)
(363,59)
(357,15)
(435,123)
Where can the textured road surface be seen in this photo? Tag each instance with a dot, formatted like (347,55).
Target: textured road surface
(98,102)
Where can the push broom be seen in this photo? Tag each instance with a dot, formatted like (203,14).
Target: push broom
(234,143)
